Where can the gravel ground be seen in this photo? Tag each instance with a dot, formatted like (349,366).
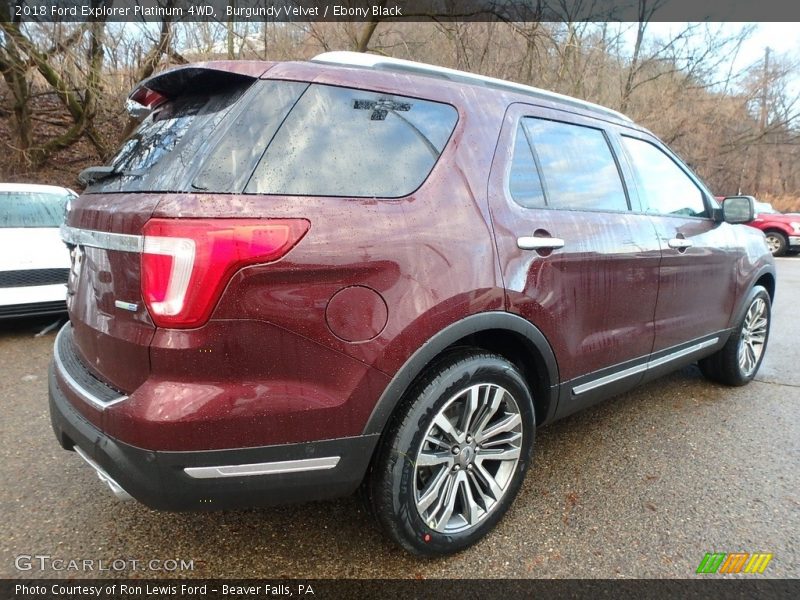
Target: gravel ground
(640,486)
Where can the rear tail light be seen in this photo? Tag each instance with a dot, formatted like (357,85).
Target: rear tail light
(147,98)
(142,101)
(186,263)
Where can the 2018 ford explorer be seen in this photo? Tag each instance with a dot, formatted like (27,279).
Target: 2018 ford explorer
(300,279)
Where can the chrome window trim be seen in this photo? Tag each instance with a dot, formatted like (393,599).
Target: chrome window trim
(635,370)
(267,468)
(104,240)
(74,385)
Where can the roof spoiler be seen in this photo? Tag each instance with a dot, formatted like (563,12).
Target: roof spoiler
(198,77)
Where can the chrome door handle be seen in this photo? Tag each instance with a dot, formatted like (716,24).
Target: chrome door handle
(679,243)
(539,243)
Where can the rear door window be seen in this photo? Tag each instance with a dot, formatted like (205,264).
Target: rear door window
(347,142)
(32,209)
(577,166)
(524,183)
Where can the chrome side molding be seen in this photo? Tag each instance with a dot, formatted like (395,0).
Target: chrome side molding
(651,364)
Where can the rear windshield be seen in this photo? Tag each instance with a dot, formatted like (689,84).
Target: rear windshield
(32,209)
(162,153)
(288,138)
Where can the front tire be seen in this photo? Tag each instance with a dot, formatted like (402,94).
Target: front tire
(777,243)
(737,362)
(454,459)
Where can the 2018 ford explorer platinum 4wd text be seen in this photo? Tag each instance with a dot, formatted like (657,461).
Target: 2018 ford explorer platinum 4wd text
(301,279)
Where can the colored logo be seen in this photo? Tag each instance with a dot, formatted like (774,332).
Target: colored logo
(735,562)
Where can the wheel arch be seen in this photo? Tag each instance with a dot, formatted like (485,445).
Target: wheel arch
(776,229)
(766,279)
(506,334)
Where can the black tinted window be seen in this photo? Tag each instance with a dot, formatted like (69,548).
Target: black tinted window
(162,152)
(664,188)
(577,166)
(347,142)
(31,209)
(231,163)
(524,184)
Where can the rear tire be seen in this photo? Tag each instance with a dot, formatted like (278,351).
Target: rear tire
(453,460)
(737,362)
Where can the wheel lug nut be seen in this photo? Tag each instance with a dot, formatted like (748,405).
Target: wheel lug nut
(469,439)
(456,450)
(469,467)
(457,468)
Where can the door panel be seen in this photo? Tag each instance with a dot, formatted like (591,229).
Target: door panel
(697,277)
(594,298)
(698,284)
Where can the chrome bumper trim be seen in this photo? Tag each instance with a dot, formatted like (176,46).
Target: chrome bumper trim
(82,392)
(116,488)
(268,468)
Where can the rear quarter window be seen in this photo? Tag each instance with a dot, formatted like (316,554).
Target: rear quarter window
(348,142)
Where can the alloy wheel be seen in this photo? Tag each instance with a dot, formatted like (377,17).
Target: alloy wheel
(468,457)
(753,337)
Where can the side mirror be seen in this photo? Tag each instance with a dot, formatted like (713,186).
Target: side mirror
(738,209)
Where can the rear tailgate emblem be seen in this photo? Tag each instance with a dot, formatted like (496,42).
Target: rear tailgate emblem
(126,305)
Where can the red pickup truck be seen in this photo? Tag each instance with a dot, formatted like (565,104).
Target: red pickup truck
(782,230)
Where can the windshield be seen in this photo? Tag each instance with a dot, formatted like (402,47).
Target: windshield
(32,209)
(766,207)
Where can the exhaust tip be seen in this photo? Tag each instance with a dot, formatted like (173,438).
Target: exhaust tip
(115,488)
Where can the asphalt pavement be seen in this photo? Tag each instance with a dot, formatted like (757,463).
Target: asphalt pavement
(640,486)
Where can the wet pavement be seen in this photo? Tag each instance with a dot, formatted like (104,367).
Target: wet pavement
(640,486)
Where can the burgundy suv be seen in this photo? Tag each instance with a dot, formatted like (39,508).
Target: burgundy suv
(300,279)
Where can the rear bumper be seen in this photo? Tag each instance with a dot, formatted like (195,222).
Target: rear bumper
(213,479)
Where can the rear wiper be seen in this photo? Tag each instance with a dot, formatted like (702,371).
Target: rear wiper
(94,174)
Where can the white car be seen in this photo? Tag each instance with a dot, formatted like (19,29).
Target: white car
(34,262)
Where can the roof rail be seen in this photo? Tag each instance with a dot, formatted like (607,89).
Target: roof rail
(373,61)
